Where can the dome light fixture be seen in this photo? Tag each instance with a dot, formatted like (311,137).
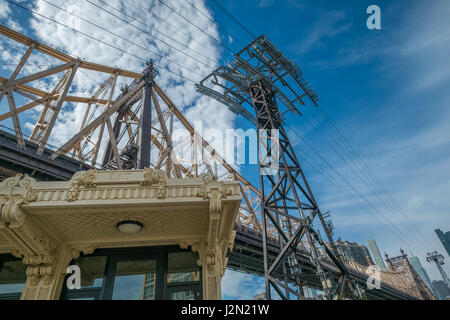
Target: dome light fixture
(130,226)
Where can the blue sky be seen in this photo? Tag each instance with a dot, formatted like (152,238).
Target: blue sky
(386,90)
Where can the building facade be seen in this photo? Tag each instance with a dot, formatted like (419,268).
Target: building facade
(445,239)
(415,263)
(376,255)
(116,235)
(354,252)
(441,290)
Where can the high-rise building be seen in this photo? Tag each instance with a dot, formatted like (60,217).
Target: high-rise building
(310,293)
(376,254)
(445,239)
(415,263)
(355,252)
(441,289)
(261,296)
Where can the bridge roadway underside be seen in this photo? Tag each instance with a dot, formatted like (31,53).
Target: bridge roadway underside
(247,255)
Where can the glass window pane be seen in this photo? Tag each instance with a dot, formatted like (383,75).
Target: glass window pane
(182,295)
(12,277)
(135,280)
(92,271)
(183,267)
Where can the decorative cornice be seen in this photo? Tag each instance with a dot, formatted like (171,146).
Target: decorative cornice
(127,185)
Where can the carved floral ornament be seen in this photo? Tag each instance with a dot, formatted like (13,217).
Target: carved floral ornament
(157,178)
(86,179)
(215,191)
(15,192)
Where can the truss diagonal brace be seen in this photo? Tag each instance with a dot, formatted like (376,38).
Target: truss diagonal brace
(57,109)
(98,121)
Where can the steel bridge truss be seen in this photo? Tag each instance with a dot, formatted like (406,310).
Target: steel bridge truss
(126,129)
(262,85)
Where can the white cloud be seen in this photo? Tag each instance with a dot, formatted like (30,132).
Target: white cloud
(5,15)
(5,11)
(156,18)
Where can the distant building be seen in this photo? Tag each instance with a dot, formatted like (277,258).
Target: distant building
(441,289)
(445,239)
(310,293)
(261,296)
(376,255)
(415,263)
(355,252)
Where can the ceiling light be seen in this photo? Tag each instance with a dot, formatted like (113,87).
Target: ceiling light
(130,226)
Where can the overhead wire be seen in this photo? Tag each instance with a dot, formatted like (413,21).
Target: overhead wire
(343,158)
(122,38)
(160,32)
(214,22)
(374,178)
(190,22)
(399,233)
(149,34)
(367,181)
(388,201)
(193,39)
(234,18)
(98,40)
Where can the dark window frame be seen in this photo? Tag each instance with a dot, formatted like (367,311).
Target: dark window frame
(9,296)
(198,292)
(160,254)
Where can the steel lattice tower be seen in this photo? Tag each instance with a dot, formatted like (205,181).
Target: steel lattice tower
(254,85)
(438,259)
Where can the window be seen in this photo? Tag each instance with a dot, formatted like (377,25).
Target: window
(138,274)
(92,278)
(183,267)
(183,277)
(135,280)
(92,269)
(12,277)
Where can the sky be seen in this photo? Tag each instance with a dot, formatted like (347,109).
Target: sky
(385,90)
